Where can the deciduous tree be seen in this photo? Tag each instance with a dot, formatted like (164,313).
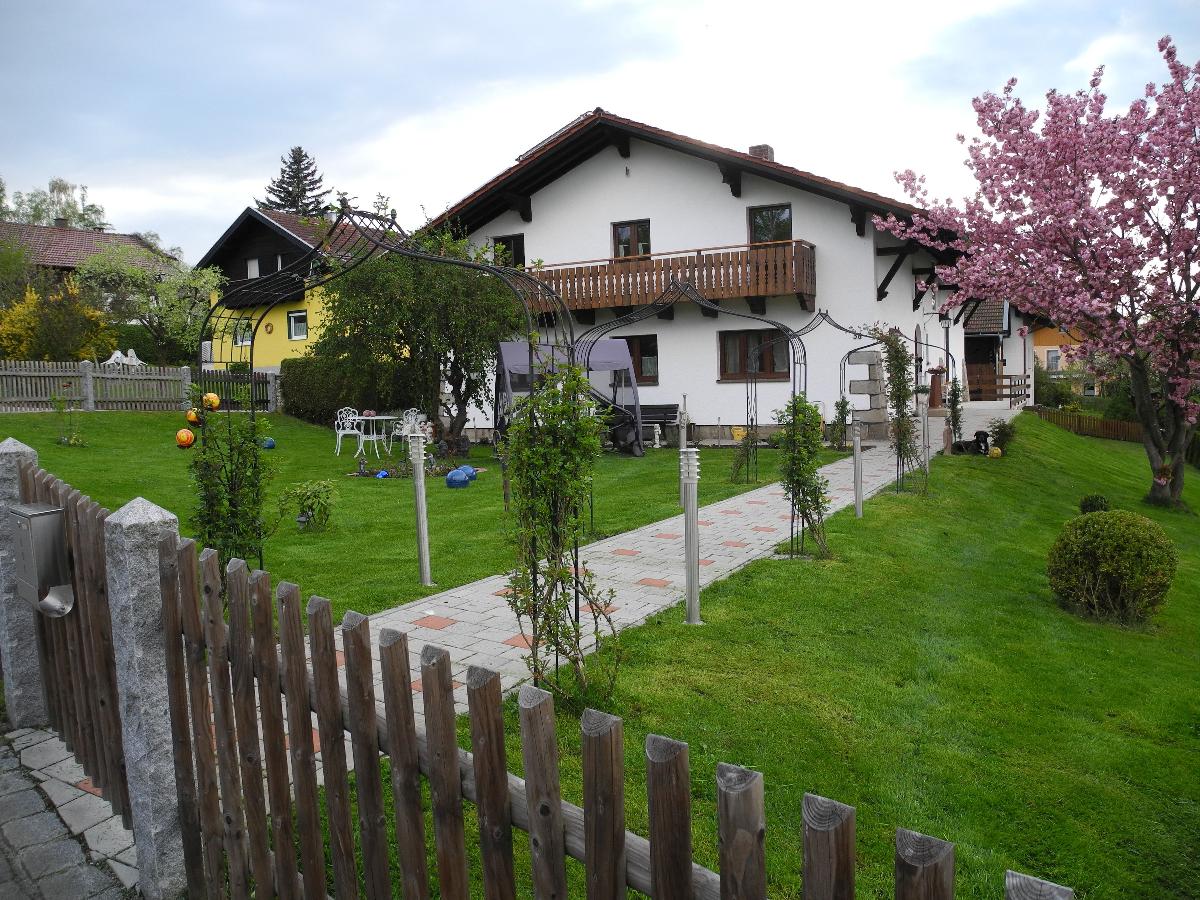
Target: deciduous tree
(1090,220)
(60,200)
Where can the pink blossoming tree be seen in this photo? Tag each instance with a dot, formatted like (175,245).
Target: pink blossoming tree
(1090,221)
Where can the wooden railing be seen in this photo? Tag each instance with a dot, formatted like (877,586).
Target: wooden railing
(228,665)
(1092,426)
(742,270)
(1013,388)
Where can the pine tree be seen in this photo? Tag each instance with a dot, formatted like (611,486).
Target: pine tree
(298,189)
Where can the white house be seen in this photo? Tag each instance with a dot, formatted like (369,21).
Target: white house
(606,196)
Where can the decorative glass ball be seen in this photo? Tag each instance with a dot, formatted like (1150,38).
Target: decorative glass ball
(185,437)
(193,416)
(995,453)
(211,401)
(457,479)
(469,471)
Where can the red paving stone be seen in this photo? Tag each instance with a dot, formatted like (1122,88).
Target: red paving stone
(734,544)
(503,592)
(785,518)
(655,582)
(706,562)
(518,640)
(756,502)
(416,685)
(341,658)
(437,623)
(765,528)
(731,512)
(704,521)
(316,739)
(610,608)
(86,785)
(624,552)
(668,535)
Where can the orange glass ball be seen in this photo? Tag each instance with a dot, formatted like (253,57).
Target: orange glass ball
(211,401)
(193,416)
(185,437)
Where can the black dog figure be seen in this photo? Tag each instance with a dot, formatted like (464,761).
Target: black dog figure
(977,447)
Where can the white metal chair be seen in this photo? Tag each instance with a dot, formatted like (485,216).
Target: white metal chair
(409,423)
(347,424)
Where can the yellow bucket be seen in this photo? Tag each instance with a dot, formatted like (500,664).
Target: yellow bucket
(738,432)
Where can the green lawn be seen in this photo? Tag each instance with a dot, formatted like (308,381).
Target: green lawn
(927,677)
(367,558)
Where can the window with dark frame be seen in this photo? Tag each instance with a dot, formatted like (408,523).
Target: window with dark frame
(643,350)
(631,239)
(297,325)
(243,333)
(509,250)
(737,360)
(770,223)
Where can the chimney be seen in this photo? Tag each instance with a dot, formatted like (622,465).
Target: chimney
(60,222)
(763,151)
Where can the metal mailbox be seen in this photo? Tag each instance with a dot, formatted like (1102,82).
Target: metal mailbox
(43,571)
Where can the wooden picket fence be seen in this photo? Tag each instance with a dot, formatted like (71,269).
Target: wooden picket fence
(229,386)
(32,386)
(1092,426)
(76,650)
(242,692)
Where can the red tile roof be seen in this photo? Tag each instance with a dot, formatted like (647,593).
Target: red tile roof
(308,229)
(63,248)
(602,119)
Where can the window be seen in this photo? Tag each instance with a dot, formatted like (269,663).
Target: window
(643,349)
(741,353)
(252,268)
(243,333)
(298,325)
(1052,360)
(631,239)
(770,223)
(509,250)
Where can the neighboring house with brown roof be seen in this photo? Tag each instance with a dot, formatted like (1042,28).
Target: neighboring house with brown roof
(260,242)
(62,248)
(609,207)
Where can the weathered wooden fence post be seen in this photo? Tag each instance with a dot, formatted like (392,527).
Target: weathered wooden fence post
(1026,887)
(24,690)
(924,867)
(828,849)
(87,385)
(185,386)
(272,392)
(132,537)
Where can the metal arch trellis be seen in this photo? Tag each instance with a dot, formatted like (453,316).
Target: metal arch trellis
(353,237)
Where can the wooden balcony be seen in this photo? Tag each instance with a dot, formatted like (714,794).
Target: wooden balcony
(741,270)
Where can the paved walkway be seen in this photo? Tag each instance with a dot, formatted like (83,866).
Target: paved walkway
(644,568)
(74,851)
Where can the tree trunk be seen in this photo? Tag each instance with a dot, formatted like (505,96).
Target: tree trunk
(1166,435)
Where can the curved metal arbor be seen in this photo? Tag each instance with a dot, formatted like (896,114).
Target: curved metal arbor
(231,327)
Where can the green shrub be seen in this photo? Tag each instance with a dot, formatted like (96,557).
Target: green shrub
(315,388)
(312,502)
(1114,565)
(1093,503)
(1002,432)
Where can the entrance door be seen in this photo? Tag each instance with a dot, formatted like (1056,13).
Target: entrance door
(982,359)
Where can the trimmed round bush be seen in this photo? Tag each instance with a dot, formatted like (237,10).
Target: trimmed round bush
(1114,565)
(1093,503)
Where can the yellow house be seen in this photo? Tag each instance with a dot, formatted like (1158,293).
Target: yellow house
(1048,344)
(260,242)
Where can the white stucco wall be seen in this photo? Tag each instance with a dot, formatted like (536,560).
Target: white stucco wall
(689,207)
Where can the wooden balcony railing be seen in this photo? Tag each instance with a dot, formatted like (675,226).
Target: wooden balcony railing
(1013,388)
(741,270)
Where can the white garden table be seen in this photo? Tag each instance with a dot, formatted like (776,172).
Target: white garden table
(375,430)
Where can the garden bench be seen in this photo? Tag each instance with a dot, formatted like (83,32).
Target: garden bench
(657,416)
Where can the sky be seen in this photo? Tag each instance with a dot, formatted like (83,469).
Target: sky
(176,115)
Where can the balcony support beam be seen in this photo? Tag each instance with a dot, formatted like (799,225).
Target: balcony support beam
(710,313)
(758,305)
(858,215)
(902,254)
(732,177)
(521,204)
(584,316)
(668,314)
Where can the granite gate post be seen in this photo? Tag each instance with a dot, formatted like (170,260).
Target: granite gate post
(132,536)
(24,691)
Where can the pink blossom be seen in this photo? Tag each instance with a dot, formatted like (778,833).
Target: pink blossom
(1089,220)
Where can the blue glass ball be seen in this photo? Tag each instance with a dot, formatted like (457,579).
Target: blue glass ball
(469,471)
(268,443)
(382,473)
(457,479)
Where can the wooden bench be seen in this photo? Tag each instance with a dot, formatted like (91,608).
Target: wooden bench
(659,416)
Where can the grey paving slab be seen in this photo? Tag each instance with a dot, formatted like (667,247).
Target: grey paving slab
(52,856)
(84,811)
(21,804)
(35,829)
